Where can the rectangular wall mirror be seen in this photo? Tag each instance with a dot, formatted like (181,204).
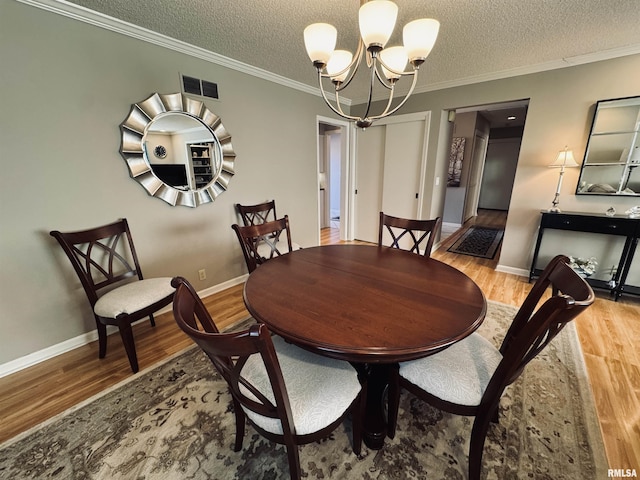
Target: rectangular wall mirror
(612,157)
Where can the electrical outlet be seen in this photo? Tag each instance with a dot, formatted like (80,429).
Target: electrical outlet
(202,274)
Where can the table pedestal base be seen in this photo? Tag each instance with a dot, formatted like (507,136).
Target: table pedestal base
(374,428)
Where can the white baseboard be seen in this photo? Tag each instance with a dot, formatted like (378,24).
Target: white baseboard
(54,350)
(521,272)
(451,225)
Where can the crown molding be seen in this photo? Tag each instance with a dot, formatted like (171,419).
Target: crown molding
(97,19)
(526,70)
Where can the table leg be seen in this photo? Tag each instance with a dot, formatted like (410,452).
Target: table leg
(374,428)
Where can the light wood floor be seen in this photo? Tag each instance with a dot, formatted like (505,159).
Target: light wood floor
(608,331)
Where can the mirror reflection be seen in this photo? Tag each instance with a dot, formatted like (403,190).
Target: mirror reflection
(182,151)
(177,149)
(612,156)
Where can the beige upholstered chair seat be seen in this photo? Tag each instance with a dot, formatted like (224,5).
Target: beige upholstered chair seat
(133,296)
(320,389)
(459,374)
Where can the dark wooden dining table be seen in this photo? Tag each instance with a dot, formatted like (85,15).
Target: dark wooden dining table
(372,306)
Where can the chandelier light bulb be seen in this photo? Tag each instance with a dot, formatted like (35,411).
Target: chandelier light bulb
(339,61)
(419,37)
(396,59)
(377,19)
(320,42)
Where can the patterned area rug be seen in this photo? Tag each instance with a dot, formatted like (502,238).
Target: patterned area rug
(174,421)
(478,241)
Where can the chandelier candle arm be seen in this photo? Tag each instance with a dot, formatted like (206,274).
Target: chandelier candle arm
(376,20)
(388,112)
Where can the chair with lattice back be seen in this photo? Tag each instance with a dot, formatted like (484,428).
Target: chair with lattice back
(257,214)
(264,241)
(415,236)
(469,377)
(105,260)
(290,395)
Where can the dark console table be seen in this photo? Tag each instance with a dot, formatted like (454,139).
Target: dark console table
(595,223)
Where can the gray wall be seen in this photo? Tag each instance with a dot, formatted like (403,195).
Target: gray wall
(498,174)
(561,109)
(65,87)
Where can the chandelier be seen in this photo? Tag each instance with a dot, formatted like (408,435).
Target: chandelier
(377,19)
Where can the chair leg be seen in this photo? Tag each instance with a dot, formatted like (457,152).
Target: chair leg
(152,320)
(293,456)
(357,416)
(240,423)
(127,339)
(102,339)
(476,447)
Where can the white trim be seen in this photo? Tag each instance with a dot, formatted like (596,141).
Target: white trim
(34,358)
(101,20)
(525,70)
(451,225)
(521,272)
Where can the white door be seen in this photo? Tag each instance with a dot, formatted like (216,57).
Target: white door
(369,174)
(390,165)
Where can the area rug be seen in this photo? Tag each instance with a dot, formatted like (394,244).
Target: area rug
(174,421)
(478,241)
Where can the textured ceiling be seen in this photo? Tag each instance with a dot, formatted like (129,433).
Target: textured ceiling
(478,38)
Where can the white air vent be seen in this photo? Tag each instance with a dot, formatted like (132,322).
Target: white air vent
(196,86)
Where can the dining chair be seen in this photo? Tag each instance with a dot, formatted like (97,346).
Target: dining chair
(406,234)
(469,377)
(105,260)
(260,213)
(290,395)
(262,242)
(257,214)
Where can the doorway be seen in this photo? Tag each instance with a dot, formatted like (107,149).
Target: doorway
(485,169)
(333,169)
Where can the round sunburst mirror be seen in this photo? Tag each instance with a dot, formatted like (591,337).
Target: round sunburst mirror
(177,149)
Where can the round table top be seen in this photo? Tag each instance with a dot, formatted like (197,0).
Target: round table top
(364,303)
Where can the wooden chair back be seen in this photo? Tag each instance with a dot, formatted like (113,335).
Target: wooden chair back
(101,257)
(539,320)
(257,214)
(406,234)
(263,241)
(229,352)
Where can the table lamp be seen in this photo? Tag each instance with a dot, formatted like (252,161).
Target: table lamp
(563,160)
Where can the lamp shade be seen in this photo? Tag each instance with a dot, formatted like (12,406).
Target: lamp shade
(419,37)
(377,19)
(565,158)
(339,61)
(320,41)
(396,59)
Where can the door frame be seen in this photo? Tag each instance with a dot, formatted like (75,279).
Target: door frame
(346,174)
(422,116)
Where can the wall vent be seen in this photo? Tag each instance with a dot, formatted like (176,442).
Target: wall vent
(199,87)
